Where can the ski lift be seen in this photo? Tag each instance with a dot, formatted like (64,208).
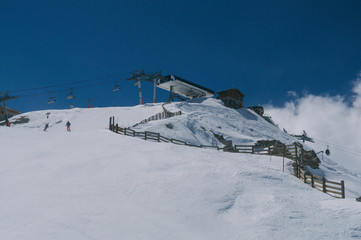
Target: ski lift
(70,95)
(116,87)
(327,151)
(51,99)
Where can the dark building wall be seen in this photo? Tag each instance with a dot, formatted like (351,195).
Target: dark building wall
(10,112)
(232,98)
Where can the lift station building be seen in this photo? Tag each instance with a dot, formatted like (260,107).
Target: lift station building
(184,88)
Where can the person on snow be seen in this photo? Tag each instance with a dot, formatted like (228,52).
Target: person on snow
(46,126)
(68,126)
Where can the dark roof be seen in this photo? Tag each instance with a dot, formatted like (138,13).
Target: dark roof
(168,78)
(231,91)
(13,111)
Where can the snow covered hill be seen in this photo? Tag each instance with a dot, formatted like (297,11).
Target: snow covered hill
(203,117)
(93,184)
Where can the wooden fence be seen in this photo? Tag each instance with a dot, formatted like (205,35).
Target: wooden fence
(287,151)
(335,189)
(153,136)
(292,152)
(158,116)
(162,115)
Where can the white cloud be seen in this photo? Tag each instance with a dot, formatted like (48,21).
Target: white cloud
(292,94)
(357,92)
(327,118)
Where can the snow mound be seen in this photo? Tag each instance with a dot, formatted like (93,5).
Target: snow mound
(202,119)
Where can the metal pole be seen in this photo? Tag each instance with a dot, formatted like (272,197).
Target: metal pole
(171,94)
(155,91)
(5,112)
(140,91)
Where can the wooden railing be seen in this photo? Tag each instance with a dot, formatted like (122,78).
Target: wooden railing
(291,151)
(147,135)
(287,151)
(335,189)
(158,116)
(162,115)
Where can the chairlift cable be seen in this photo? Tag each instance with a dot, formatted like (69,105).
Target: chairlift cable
(336,145)
(344,149)
(65,90)
(339,147)
(71,83)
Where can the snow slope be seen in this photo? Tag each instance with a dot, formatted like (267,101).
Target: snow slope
(93,184)
(201,117)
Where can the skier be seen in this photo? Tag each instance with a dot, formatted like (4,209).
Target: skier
(68,126)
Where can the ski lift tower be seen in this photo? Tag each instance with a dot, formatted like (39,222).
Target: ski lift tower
(138,77)
(156,77)
(3,98)
(303,137)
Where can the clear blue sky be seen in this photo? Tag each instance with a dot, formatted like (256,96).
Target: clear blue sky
(264,48)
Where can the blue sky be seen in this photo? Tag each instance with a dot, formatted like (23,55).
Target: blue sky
(264,48)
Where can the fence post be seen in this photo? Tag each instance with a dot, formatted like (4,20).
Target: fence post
(269,149)
(145,135)
(324,185)
(110,123)
(296,152)
(312,182)
(252,149)
(116,128)
(113,123)
(298,171)
(343,188)
(304,178)
(158,137)
(133,133)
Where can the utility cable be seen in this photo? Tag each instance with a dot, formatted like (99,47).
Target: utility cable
(64,90)
(71,83)
(339,147)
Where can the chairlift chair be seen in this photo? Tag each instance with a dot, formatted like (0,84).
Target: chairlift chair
(116,88)
(327,151)
(51,99)
(70,95)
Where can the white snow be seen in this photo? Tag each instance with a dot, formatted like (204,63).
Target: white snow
(94,184)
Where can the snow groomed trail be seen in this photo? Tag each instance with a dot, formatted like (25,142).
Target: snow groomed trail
(93,184)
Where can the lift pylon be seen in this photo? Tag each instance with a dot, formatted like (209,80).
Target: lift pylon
(3,98)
